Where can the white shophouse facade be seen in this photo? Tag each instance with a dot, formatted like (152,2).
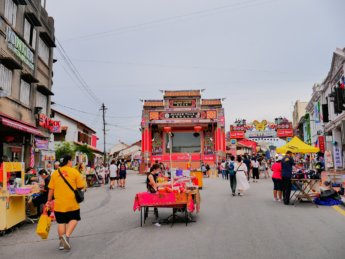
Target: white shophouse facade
(334,129)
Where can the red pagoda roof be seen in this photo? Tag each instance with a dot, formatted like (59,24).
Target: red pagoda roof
(154,103)
(183,93)
(211,102)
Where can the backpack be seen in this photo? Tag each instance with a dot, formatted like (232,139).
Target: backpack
(232,168)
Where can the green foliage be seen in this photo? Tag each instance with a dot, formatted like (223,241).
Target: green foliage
(63,149)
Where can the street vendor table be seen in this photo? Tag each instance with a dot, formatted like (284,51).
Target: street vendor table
(186,201)
(303,190)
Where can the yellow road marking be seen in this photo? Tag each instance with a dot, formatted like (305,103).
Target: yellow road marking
(340,210)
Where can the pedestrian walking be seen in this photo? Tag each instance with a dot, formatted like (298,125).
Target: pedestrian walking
(113,174)
(287,167)
(246,160)
(66,207)
(255,167)
(263,168)
(232,175)
(241,176)
(123,174)
(277,179)
(222,168)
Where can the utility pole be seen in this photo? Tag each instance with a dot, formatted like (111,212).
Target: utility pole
(103,109)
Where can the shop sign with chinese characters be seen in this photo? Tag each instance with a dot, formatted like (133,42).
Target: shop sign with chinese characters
(47,123)
(22,51)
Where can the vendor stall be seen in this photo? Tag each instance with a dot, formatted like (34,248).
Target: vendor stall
(12,195)
(297,146)
(182,195)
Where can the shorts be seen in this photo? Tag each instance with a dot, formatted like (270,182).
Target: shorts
(277,184)
(113,178)
(66,217)
(122,176)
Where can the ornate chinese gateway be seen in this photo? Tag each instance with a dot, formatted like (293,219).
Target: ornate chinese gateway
(196,127)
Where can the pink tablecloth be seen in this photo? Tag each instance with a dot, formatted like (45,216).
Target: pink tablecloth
(145,199)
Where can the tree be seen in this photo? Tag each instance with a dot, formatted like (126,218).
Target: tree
(63,149)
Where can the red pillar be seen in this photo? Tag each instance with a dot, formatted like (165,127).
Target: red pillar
(143,141)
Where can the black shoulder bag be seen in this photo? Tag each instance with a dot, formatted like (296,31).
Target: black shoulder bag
(79,194)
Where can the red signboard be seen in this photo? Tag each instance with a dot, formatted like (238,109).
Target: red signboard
(236,134)
(322,144)
(47,123)
(285,133)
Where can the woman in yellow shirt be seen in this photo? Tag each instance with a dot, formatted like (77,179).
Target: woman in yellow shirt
(66,207)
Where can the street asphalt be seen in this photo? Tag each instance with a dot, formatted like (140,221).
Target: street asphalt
(252,226)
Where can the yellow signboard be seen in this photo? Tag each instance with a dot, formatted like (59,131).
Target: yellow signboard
(13,167)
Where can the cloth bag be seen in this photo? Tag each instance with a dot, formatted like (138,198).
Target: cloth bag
(43,225)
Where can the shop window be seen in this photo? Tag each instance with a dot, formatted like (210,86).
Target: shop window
(184,142)
(84,138)
(5,80)
(29,33)
(11,12)
(25,92)
(60,136)
(42,101)
(43,51)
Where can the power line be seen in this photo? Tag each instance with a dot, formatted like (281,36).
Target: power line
(74,71)
(233,6)
(94,114)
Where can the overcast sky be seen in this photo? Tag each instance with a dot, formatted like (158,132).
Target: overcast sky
(261,55)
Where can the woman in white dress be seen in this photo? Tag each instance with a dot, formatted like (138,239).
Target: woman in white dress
(241,176)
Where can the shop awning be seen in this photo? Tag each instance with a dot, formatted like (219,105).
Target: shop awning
(20,126)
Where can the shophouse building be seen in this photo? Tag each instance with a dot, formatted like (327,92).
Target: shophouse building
(333,115)
(75,132)
(298,112)
(313,120)
(26,71)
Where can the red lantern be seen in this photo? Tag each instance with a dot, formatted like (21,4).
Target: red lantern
(197,128)
(167,129)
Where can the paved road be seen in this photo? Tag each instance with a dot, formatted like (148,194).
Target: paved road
(246,227)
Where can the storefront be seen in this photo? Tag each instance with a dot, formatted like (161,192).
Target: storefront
(21,142)
(183,129)
(16,140)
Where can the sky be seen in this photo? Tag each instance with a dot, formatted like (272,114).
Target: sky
(261,55)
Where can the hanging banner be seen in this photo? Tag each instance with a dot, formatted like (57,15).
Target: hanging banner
(338,160)
(328,159)
(322,143)
(41,143)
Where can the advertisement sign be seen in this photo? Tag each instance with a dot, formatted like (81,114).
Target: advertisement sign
(328,159)
(182,103)
(47,123)
(41,143)
(322,143)
(22,51)
(284,132)
(261,134)
(338,160)
(236,134)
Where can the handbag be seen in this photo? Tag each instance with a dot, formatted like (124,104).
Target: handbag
(79,194)
(43,225)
